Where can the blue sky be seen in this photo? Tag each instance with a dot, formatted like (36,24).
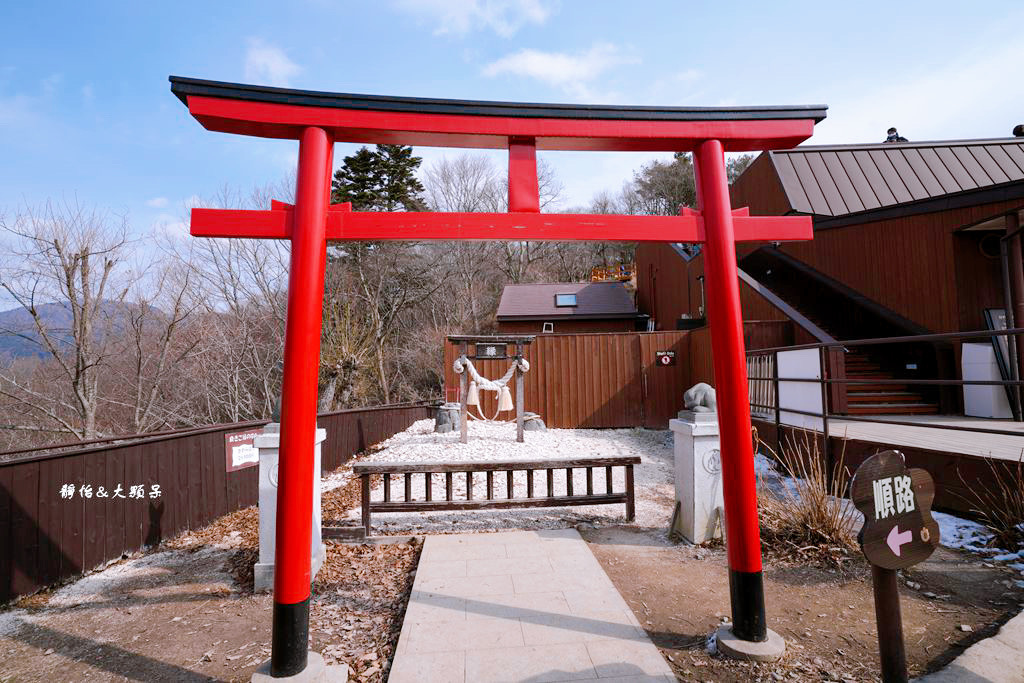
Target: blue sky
(86,110)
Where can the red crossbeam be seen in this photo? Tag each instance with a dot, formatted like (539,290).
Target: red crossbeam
(273,120)
(345,225)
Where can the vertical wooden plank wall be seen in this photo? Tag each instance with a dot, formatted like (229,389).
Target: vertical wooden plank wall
(593,380)
(45,538)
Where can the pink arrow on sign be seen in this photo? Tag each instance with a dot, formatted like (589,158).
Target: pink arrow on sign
(895,539)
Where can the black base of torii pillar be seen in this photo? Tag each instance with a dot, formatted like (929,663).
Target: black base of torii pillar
(493,347)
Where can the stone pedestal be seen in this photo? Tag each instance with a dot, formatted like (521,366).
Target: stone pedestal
(698,475)
(447,419)
(268,443)
(316,671)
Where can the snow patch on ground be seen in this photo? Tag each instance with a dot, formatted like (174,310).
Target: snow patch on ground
(335,480)
(11,620)
(957,532)
(655,490)
(135,573)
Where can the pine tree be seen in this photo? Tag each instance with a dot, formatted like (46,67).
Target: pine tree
(399,187)
(357,181)
(379,180)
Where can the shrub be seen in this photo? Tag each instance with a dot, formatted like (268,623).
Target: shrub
(809,515)
(999,502)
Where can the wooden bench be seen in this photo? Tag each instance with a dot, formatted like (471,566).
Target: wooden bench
(405,472)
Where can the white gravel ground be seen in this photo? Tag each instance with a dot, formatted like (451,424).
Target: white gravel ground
(496,442)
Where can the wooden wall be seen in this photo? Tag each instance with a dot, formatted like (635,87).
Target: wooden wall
(669,288)
(592,380)
(45,538)
(913,265)
(760,189)
(664,284)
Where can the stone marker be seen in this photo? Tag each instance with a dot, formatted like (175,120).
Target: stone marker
(533,423)
(698,475)
(447,419)
(268,443)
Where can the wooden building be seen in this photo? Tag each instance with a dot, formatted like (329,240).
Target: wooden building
(908,240)
(568,307)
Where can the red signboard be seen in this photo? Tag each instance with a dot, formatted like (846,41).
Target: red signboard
(240,451)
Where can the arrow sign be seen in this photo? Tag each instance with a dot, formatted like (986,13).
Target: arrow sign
(895,539)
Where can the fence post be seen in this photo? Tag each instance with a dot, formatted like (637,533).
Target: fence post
(778,412)
(630,499)
(365,493)
(826,447)
(463,397)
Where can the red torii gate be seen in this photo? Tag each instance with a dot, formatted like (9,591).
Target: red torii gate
(319,119)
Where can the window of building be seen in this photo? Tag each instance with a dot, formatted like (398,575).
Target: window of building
(548,327)
(565,300)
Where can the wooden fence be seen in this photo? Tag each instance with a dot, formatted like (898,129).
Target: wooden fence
(45,538)
(594,380)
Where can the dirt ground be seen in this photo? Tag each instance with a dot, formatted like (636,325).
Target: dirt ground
(680,593)
(189,614)
(186,611)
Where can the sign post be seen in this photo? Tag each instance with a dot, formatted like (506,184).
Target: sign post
(898,532)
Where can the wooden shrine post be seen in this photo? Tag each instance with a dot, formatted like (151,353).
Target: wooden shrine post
(463,390)
(519,395)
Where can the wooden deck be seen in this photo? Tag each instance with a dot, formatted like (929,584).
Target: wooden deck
(999,446)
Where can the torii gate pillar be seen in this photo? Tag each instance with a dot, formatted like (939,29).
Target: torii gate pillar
(299,400)
(725,318)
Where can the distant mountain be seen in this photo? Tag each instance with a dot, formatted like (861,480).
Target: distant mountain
(56,319)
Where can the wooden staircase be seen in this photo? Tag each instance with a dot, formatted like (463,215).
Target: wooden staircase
(841,313)
(880,399)
(875,399)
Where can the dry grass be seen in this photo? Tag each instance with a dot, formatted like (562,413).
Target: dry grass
(999,502)
(810,518)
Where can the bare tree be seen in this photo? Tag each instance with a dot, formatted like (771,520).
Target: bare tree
(237,293)
(68,261)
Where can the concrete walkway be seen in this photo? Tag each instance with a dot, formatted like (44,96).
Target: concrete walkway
(999,659)
(519,606)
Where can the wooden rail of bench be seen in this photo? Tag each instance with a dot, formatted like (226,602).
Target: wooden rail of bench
(367,469)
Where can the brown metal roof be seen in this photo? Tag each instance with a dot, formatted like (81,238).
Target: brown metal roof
(848,179)
(593,300)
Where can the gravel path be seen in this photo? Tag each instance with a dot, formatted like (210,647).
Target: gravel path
(494,442)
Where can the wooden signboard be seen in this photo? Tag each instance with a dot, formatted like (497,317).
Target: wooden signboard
(496,351)
(240,451)
(899,530)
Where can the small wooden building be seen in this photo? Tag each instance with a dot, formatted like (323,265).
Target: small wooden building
(568,307)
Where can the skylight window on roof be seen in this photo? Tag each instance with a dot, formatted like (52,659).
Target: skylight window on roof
(565,300)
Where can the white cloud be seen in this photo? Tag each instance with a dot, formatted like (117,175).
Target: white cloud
(571,72)
(157,202)
(169,226)
(268,65)
(51,84)
(458,17)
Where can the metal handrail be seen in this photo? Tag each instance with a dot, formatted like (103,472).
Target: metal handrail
(825,381)
(875,341)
